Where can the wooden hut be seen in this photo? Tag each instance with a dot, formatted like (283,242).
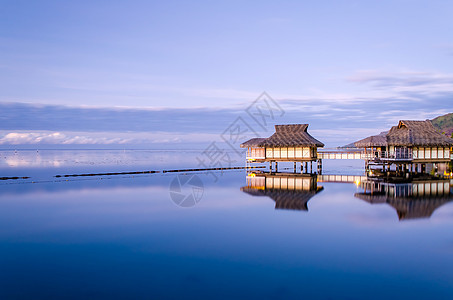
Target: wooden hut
(288,143)
(419,141)
(409,145)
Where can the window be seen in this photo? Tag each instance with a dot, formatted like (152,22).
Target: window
(269,153)
(427,153)
(299,152)
(284,152)
(440,152)
(421,153)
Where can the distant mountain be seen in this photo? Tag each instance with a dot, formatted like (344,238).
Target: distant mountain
(351,145)
(444,124)
(348,146)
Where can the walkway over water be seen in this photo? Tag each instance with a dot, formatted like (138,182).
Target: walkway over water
(341,155)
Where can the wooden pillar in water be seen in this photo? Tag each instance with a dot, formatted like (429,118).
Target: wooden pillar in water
(276,166)
(270,166)
(319,165)
(306,167)
(295,167)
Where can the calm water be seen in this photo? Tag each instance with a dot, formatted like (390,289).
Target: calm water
(123,236)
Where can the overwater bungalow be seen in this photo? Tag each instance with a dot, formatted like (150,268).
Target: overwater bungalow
(417,199)
(289,191)
(289,143)
(412,146)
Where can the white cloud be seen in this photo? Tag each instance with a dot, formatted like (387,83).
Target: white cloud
(102,138)
(22,138)
(421,84)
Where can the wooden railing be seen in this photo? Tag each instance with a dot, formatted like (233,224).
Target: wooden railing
(397,155)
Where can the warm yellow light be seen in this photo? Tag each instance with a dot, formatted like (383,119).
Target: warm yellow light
(357,182)
(252,175)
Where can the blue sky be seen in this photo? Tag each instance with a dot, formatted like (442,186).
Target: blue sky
(179,69)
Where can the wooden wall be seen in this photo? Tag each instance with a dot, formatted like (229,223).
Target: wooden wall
(430,153)
(291,152)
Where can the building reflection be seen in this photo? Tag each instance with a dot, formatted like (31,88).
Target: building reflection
(413,200)
(289,191)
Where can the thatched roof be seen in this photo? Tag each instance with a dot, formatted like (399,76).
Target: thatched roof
(408,133)
(373,141)
(417,133)
(293,135)
(252,142)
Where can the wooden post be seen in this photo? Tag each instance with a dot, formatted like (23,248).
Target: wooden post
(270,166)
(319,165)
(276,166)
(306,167)
(295,166)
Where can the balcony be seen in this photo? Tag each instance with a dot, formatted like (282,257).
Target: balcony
(398,154)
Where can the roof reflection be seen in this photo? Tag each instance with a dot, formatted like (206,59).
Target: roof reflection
(289,191)
(413,200)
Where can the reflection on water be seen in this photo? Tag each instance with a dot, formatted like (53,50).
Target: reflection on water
(289,191)
(412,200)
(70,158)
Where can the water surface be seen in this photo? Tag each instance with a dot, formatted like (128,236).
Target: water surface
(123,237)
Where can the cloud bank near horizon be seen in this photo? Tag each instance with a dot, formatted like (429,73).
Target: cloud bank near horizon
(336,123)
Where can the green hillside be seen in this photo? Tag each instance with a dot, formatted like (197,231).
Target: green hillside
(444,123)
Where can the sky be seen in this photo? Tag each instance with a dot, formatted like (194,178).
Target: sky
(175,73)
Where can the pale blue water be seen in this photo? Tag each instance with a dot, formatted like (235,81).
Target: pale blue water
(122,237)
